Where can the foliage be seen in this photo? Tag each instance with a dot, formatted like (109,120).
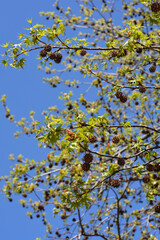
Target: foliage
(102,171)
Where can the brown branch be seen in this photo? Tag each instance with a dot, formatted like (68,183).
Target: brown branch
(118,209)
(103,79)
(120,126)
(151,48)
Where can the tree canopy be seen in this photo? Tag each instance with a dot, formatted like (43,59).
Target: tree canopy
(102,171)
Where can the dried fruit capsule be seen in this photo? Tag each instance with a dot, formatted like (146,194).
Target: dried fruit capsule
(85,166)
(88,158)
(142,89)
(58,57)
(92,139)
(52,56)
(146,179)
(83,52)
(47,48)
(43,53)
(157,208)
(150,167)
(115,183)
(118,94)
(115,139)
(152,68)
(121,161)
(139,50)
(123,98)
(156,167)
(155,7)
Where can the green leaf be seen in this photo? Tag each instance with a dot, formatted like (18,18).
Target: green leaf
(29,20)
(5,63)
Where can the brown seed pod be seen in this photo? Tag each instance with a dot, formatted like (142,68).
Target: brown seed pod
(157,208)
(118,94)
(115,183)
(50,165)
(40,207)
(58,57)
(152,68)
(85,166)
(142,89)
(156,167)
(149,167)
(52,56)
(43,53)
(47,48)
(88,158)
(92,139)
(139,50)
(115,139)
(121,161)
(155,7)
(83,52)
(146,179)
(123,98)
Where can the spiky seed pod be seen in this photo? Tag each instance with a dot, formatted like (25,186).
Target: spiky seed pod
(50,165)
(125,7)
(155,7)
(63,162)
(123,98)
(115,139)
(43,53)
(24,195)
(83,52)
(70,107)
(58,57)
(146,179)
(157,208)
(40,207)
(92,139)
(155,185)
(142,89)
(139,50)
(156,167)
(154,176)
(150,167)
(121,161)
(152,68)
(85,166)
(118,94)
(88,158)
(52,56)
(115,183)
(47,48)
